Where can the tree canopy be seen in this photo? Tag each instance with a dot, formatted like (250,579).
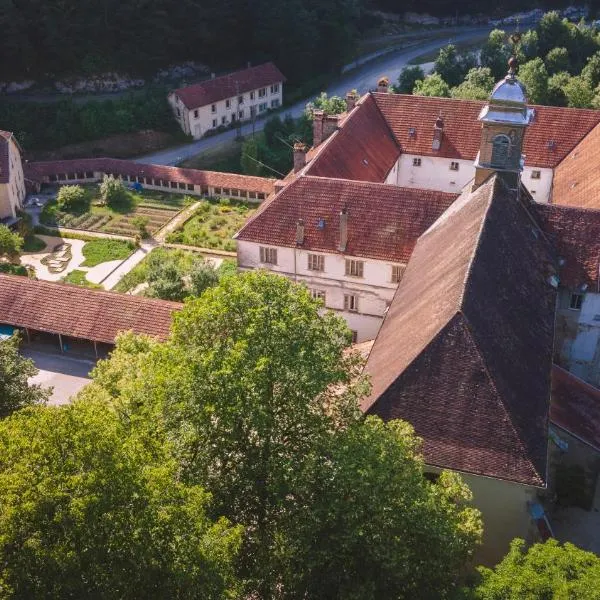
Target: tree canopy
(11,243)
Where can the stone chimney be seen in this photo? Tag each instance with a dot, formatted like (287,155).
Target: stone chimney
(330,124)
(343,230)
(300,232)
(318,118)
(438,133)
(351,99)
(299,156)
(383,85)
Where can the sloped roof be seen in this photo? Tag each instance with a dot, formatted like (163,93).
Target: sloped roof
(575,406)
(38,170)
(384,221)
(577,178)
(5,137)
(575,235)
(464,353)
(80,312)
(363,148)
(228,86)
(565,127)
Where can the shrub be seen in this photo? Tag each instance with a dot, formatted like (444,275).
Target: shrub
(141,222)
(70,197)
(112,190)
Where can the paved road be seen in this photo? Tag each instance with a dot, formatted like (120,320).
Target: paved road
(361,79)
(66,374)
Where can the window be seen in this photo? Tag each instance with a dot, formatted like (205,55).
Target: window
(223,120)
(241,114)
(262,92)
(397,272)
(178,113)
(262,107)
(354,268)
(89,174)
(251,95)
(354,335)
(316,262)
(275,103)
(536,174)
(454,166)
(240,99)
(351,302)
(213,108)
(196,114)
(318,295)
(233,117)
(268,255)
(227,103)
(190,187)
(274,88)
(416,162)
(215,123)
(576,301)
(500,150)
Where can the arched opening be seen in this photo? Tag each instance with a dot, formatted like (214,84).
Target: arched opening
(500,150)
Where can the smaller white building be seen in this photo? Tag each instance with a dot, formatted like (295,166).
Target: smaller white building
(221,101)
(12,182)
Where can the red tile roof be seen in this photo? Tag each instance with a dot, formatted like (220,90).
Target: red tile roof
(575,235)
(463,354)
(39,170)
(363,149)
(566,127)
(79,312)
(229,86)
(384,221)
(575,407)
(577,178)
(5,137)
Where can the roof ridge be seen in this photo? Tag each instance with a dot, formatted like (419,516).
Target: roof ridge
(508,413)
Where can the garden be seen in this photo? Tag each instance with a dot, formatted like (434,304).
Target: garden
(213,225)
(130,213)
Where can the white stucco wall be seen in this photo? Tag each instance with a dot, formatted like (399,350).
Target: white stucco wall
(12,193)
(375,289)
(197,126)
(435,174)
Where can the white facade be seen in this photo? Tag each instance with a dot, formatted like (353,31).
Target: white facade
(12,193)
(451,175)
(197,121)
(373,291)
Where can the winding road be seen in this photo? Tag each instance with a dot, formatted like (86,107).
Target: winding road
(362,79)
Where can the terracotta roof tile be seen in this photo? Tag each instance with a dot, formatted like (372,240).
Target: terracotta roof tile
(575,406)
(228,86)
(463,353)
(577,178)
(38,170)
(79,312)
(384,221)
(363,149)
(565,127)
(575,235)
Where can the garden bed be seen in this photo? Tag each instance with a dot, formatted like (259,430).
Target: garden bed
(104,250)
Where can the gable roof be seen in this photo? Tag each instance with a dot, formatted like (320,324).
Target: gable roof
(575,235)
(81,312)
(566,127)
(464,354)
(577,178)
(575,407)
(384,221)
(363,148)
(229,86)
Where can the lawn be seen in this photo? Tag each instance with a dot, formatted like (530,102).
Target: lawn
(224,157)
(104,249)
(157,207)
(77,277)
(213,225)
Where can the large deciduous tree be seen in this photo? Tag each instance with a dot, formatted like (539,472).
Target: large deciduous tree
(258,394)
(11,244)
(88,509)
(15,371)
(432,85)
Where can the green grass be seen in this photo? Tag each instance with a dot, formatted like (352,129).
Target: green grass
(103,250)
(462,47)
(224,157)
(213,225)
(33,244)
(78,278)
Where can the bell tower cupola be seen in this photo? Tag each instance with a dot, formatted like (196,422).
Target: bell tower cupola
(503,122)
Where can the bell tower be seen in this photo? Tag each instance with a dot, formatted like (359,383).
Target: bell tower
(503,122)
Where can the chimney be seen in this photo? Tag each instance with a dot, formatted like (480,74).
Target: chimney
(383,85)
(318,117)
(343,230)
(438,133)
(351,99)
(300,232)
(299,156)
(330,124)
(213,75)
